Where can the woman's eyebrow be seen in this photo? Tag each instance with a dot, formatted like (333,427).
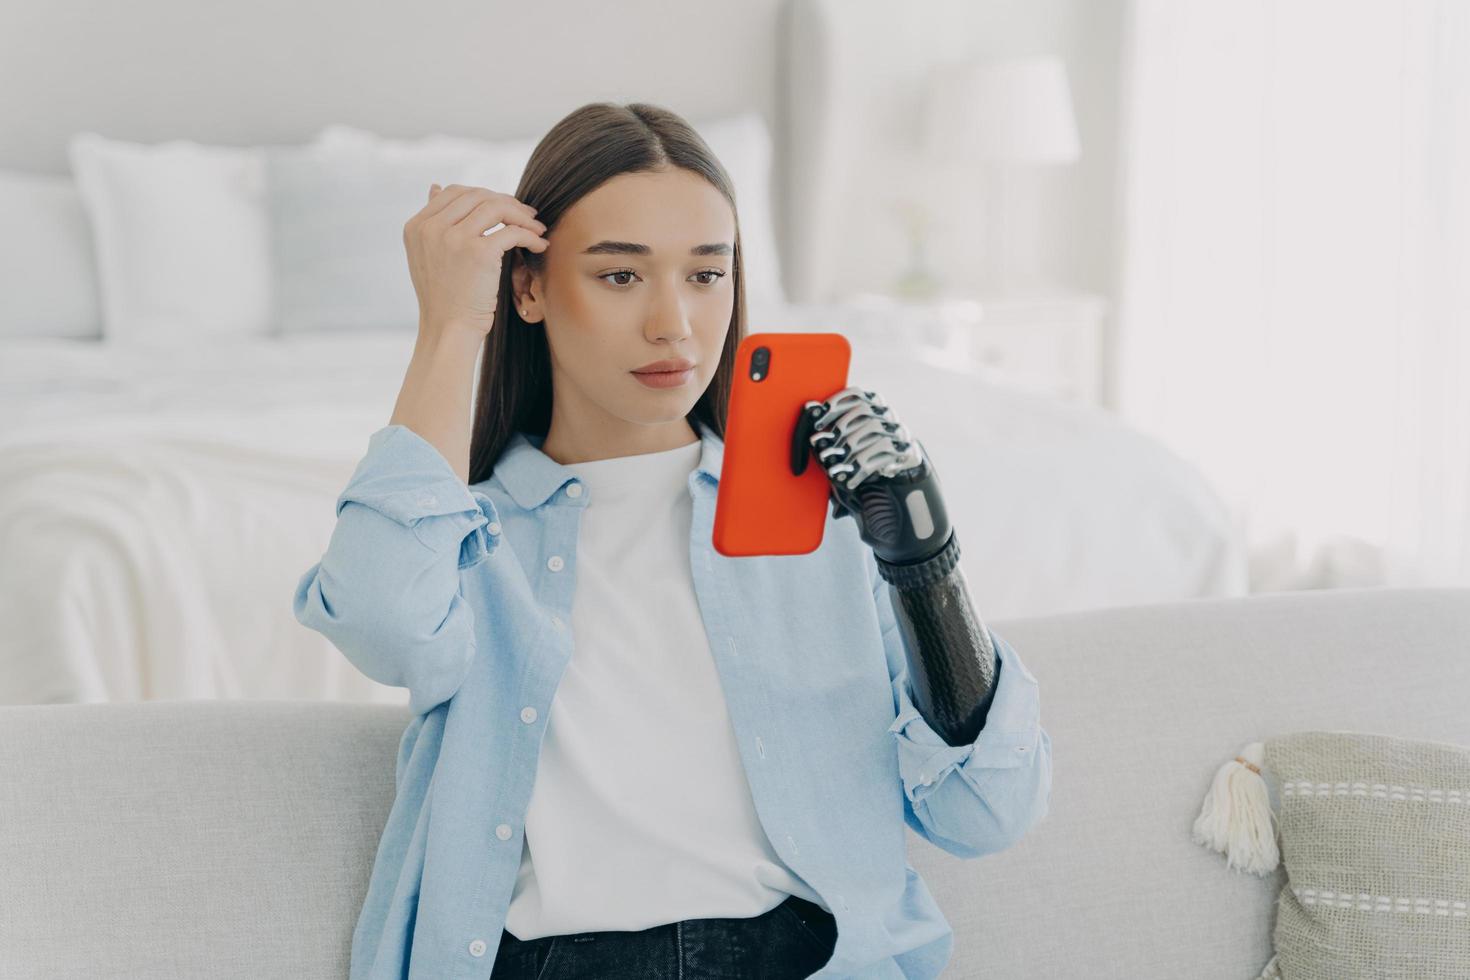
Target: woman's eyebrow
(634,248)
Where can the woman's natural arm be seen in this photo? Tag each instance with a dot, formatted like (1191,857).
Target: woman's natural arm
(387,590)
(434,400)
(455,268)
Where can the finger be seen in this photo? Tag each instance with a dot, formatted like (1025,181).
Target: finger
(491,212)
(445,197)
(506,208)
(466,199)
(438,198)
(512,236)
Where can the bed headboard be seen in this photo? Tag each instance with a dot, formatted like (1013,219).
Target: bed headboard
(275,72)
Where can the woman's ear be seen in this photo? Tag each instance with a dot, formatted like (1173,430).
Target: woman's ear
(522,284)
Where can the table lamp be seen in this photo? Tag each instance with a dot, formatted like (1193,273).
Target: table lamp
(1002,115)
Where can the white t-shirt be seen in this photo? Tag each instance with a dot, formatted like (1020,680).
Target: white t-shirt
(640,813)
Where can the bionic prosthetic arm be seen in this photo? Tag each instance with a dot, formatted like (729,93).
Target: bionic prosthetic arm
(887,483)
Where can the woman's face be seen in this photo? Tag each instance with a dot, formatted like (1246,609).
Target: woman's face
(639,270)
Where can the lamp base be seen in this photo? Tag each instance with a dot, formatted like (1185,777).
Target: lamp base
(917,284)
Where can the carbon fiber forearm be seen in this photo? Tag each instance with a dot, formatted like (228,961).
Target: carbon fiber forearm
(953,667)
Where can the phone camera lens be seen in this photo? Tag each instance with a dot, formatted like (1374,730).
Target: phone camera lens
(759,361)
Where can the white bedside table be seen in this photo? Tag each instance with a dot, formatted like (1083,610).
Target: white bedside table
(1050,343)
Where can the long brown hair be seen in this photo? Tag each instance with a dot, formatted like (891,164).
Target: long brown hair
(590,145)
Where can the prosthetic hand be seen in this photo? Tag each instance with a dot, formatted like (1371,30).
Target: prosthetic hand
(886,483)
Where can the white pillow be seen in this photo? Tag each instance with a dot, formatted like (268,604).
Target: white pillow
(337,207)
(48,277)
(336,212)
(743,145)
(180,237)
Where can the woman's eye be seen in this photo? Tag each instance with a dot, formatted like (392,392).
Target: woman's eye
(716,273)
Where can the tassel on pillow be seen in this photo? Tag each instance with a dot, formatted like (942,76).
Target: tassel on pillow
(1236,817)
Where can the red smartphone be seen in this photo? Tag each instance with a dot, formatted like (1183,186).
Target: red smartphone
(763,508)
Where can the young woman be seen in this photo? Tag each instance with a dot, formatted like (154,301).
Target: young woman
(630,756)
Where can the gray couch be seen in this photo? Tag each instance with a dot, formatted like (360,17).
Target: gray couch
(235,839)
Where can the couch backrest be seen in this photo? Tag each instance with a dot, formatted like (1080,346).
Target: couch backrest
(235,838)
(173,839)
(1144,704)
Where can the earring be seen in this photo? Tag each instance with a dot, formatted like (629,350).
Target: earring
(523,314)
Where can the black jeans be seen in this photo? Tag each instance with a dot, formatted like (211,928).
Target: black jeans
(793,940)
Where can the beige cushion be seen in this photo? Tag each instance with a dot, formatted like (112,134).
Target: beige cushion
(1375,837)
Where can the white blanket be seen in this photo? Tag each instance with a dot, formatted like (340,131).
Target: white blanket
(157,507)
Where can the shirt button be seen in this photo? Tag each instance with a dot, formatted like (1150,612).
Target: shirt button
(427,499)
(574,490)
(558,624)
(493,527)
(555,563)
(477,948)
(528,714)
(503,831)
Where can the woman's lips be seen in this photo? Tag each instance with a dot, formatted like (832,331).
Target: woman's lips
(664,379)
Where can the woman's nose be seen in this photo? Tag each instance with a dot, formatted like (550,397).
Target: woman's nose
(668,320)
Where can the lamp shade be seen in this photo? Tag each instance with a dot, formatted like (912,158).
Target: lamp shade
(1017,110)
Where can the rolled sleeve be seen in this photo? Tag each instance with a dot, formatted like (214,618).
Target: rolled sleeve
(388,590)
(981,797)
(406,478)
(1009,740)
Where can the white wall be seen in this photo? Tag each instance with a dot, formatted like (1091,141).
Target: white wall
(1072,213)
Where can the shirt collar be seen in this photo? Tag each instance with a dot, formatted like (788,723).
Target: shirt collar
(531,476)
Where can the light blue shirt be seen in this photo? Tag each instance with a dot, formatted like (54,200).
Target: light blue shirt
(463,595)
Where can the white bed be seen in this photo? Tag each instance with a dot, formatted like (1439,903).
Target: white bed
(159,501)
(158,506)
